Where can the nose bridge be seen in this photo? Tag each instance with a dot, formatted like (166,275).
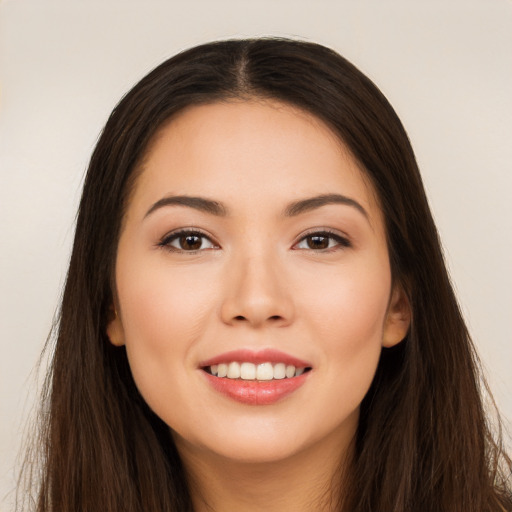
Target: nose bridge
(256,291)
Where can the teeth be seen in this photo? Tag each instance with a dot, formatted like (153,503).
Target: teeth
(279,371)
(265,372)
(250,371)
(233,370)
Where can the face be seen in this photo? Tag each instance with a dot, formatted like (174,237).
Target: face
(254,290)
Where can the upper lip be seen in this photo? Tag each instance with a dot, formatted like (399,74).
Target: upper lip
(256,357)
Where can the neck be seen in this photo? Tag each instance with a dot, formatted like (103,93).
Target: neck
(305,481)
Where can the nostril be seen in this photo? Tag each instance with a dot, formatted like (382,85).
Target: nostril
(271,318)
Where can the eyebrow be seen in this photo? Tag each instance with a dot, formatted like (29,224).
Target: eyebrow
(312,203)
(198,203)
(293,209)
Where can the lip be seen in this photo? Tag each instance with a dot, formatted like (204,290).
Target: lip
(252,392)
(256,357)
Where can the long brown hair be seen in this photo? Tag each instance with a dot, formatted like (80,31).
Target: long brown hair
(423,442)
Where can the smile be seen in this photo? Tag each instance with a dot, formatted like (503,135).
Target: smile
(260,372)
(256,378)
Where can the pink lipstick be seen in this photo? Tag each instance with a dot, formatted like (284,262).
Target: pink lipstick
(262,356)
(255,378)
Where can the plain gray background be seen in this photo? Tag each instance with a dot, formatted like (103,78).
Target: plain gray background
(446,66)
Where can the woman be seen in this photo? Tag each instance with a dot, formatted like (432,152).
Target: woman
(257,314)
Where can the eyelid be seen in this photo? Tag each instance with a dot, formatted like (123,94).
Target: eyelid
(165,241)
(342,239)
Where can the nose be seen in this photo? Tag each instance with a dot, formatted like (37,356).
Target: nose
(257,294)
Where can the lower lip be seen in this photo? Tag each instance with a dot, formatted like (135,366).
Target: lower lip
(253,392)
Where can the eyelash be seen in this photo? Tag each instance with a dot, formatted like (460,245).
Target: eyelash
(341,241)
(165,243)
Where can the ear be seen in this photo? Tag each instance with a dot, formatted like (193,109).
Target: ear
(398,318)
(115,331)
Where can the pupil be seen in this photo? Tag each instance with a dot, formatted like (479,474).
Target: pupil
(318,242)
(190,242)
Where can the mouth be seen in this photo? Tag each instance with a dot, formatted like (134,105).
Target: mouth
(256,378)
(263,372)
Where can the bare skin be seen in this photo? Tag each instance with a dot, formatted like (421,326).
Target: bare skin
(278,486)
(252,227)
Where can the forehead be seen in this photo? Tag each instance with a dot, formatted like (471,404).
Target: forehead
(253,148)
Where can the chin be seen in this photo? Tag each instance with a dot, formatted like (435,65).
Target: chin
(260,451)
(269,442)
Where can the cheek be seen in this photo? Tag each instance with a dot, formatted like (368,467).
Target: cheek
(164,313)
(160,305)
(350,303)
(353,315)
(162,299)
(347,314)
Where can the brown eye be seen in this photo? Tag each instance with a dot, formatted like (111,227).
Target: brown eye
(190,242)
(317,242)
(187,241)
(322,241)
